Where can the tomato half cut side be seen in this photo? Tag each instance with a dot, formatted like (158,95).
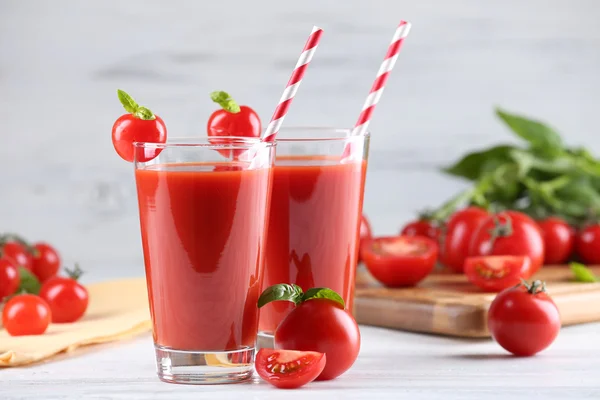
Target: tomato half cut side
(496,273)
(400,260)
(289,369)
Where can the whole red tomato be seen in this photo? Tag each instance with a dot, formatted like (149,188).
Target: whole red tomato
(232,119)
(139,125)
(289,369)
(365,233)
(509,233)
(9,278)
(46,262)
(16,252)
(588,244)
(559,240)
(26,314)
(400,260)
(496,273)
(421,227)
(523,319)
(318,323)
(454,242)
(67,298)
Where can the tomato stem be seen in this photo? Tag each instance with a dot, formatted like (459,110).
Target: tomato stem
(534,287)
(500,229)
(8,237)
(74,273)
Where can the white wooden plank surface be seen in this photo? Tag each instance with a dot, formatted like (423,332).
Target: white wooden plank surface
(61,61)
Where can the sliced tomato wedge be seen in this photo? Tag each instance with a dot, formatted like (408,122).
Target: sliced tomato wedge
(289,369)
(496,273)
(398,261)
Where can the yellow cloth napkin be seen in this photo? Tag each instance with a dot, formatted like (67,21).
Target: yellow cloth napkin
(117,310)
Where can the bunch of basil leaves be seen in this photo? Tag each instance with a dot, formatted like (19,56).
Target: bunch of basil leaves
(541,177)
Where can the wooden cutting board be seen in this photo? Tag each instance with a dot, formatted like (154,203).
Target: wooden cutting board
(449,305)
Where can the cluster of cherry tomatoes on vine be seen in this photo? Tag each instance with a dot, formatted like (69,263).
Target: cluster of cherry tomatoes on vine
(32,294)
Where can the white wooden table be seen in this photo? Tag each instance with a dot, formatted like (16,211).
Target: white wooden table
(391,365)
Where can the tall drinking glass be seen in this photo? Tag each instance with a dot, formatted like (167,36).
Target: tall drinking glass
(314,222)
(203,216)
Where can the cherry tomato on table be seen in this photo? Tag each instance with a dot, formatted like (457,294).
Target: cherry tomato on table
(17,253)
(588,244)
(67,298)
(26,314)
(318,323)
(523,319)
(496,273)
(139,125)
(454,242)
(400,260)
(46,262)
(559,240)
(289,369)
(421,227)
(509,233)
(9,278)
(232,119)
(365,233)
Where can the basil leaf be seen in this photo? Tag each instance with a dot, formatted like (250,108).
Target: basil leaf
(29,282)
(582,273)
(324,293)
(282,291)
(127,101)
(474,165)
(540,136)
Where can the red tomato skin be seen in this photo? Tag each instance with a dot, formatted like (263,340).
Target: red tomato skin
(517,267)
(525,240)
(559,240)
(46,263)
(319,325)
(588,244)
(18,254)
(400,270)
(9,278)
(245,123)
(67,299)
(454,242)
(128,129)
(365,233)
(523,323)
(313,365)
(26,314)
(421,228)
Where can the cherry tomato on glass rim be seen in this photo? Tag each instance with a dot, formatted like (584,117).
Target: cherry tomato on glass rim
(66,297)
(232,119)
(496,273)
(138,125)
(26,314)
(588,244)
(289,369)
(559,240)
(9,278)
(46,261)
(422,227)
(523,319)
(509,233)
(454,242)
(318,323)
(17,252)
(365,233)
(399,261)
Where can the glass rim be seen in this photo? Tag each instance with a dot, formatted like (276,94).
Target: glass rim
(342,134)
(229,143)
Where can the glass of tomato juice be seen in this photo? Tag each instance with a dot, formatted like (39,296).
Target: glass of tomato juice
(316,208)
(203,216)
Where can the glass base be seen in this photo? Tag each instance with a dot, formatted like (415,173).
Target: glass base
(265,340)
(204,368)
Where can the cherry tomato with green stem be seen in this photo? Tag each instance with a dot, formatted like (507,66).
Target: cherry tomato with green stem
(232,119)
(67,298)
(289,369)
(454,241)
(16,252)
(138,125)
(26,314)
(559,240)
(9,278)
(523,319)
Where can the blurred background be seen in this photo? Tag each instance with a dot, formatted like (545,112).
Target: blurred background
(62,61)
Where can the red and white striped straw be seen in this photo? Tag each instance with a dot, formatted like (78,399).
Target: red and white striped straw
(382,75)
(293,84)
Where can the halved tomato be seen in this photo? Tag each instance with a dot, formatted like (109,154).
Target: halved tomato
(496,273)
(289,369)
(398,261)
